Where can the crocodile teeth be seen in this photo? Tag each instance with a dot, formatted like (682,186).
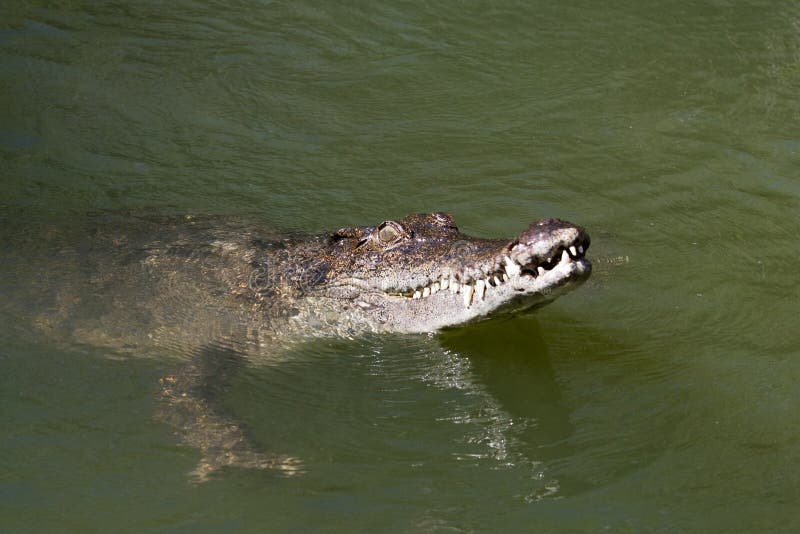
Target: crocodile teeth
(480,289)
(512,267)
(467,291)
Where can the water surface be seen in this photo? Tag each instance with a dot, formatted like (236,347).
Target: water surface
(661,396)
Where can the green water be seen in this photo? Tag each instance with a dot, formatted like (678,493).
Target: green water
(661,396)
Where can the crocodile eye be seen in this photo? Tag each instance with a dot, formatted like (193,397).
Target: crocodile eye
(388,232)
(443,220)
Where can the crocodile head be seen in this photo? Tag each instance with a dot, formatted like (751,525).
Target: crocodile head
(421,274)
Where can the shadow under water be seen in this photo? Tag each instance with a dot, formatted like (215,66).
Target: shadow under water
(511,360)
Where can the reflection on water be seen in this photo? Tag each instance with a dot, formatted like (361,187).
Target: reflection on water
(531,427)
(417,406)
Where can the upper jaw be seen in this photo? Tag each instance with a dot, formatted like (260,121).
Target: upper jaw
(535,257)
(530,264)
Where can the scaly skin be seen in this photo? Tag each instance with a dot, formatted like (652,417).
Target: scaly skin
(223,291)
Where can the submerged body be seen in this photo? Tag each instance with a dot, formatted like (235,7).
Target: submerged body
(224,291)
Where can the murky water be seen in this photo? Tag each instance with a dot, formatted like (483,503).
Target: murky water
(663,395)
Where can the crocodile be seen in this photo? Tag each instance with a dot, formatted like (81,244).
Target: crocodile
(226,292)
